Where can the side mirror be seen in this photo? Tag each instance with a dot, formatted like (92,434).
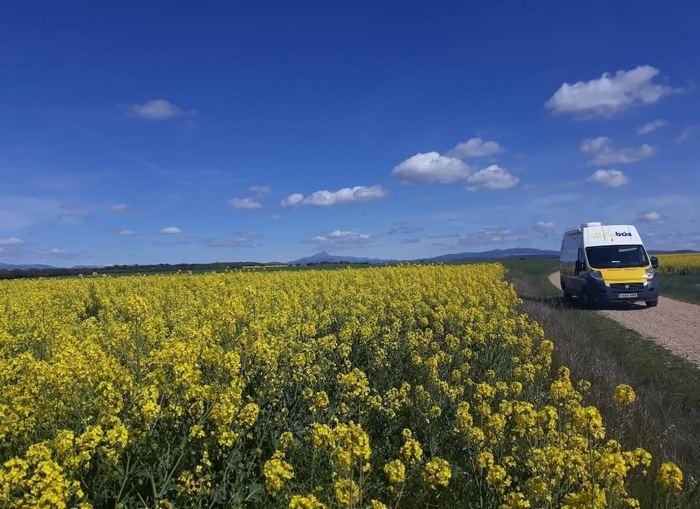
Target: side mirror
(578,267)
(654,262)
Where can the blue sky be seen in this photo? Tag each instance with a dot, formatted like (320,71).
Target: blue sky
(173,132)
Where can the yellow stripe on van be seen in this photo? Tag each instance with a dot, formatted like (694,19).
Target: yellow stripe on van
(626,275)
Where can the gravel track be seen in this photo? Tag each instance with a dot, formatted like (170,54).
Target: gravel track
(673,324)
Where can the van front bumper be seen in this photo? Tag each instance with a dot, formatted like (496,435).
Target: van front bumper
(623,292)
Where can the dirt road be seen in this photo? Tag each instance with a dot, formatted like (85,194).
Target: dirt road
(673,324)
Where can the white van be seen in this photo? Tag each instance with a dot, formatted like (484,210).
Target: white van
(607,263)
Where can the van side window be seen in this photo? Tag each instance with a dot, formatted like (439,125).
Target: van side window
(580,257)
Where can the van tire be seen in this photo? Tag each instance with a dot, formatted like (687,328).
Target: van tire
(567,295)
(652,303)
(586,301)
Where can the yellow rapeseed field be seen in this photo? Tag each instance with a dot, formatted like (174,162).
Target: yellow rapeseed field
(415,386)
(683,264)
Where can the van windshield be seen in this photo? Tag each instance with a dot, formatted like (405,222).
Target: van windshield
(610,257)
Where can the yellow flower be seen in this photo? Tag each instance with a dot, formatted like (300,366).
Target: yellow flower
(484,460)
(305,502)
(588,420)
(236,364)
(351,444)
(498,477)
(276,472)
(538,489)
(321,436)
(287,442)
(670,477)
(476,435)
(248,415)
(197,431)
(637,457)
(515,500)
(411,451)
(624,395)
(590,497)
(437,473)
(321,401)
(355,383)
(347,492)
(36,481)
(396,471)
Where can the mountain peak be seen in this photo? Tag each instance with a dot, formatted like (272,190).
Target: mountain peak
(325,257)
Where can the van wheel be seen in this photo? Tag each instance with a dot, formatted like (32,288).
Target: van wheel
(567,295)
(585,299)
(652,303)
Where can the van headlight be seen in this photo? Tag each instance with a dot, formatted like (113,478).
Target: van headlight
(595,274)
(650,273)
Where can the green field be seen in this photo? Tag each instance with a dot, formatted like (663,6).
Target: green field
(685,288)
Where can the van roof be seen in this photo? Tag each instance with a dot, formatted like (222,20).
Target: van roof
(606,235)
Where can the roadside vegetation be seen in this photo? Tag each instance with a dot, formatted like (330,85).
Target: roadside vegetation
(666,416)
(680,276)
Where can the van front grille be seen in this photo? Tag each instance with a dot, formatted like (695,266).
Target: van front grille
(627,286)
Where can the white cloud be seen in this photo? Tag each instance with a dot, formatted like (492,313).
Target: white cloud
(609,94)
(608,178)
(292,200)
(493,177)
(649,217)
(431,167)
(475,147)
(651,126)
(170,230)
(339,238)
(244,203)
(604,152)
(128,233)
(345,195)
(158,109)
(11,242)
(544,226)
(120,208)
(260,190)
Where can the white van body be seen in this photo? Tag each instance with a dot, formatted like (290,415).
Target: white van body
(607,263)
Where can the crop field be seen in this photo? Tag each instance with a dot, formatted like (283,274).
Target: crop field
(680,276)
(409,386)
(681,264)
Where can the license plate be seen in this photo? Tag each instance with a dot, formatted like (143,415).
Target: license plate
(626,295)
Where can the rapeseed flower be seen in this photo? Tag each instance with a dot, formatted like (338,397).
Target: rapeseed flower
(332,386)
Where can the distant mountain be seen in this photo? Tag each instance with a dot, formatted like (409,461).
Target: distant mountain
(494,254)
(324,257)
(10,266)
